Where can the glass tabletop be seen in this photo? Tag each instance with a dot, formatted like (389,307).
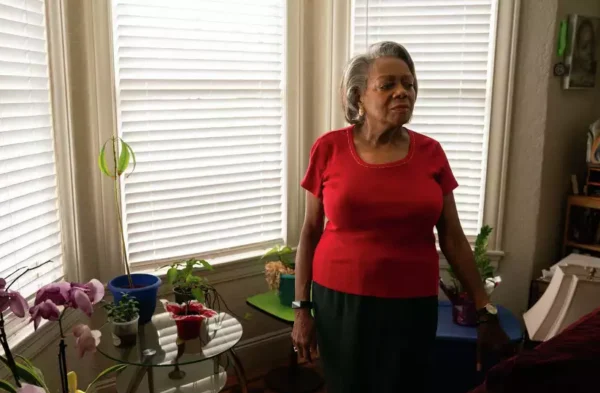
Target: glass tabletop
(157,343)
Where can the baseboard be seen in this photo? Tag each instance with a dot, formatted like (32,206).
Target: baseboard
(256,354)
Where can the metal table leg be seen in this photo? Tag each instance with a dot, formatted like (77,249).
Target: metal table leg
(239,370)
(141,372)
(150,379)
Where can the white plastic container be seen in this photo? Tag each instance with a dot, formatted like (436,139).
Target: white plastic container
(124,334)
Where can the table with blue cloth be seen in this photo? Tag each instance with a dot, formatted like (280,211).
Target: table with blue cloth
(455,350)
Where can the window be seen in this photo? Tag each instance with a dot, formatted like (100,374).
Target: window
(30,231)
(452,44)
(200,100)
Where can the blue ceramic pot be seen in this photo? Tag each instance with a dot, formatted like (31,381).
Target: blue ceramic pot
(145,290)
(287,289)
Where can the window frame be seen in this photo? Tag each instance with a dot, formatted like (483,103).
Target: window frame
(489,89)
(311,108)
(59,81)
(103,70)
(507,29)
(498,136)
(25,341)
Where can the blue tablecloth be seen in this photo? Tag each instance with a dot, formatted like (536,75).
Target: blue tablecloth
(455,356)
(448,330)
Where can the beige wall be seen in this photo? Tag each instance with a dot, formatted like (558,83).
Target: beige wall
(547,144)
(570,112)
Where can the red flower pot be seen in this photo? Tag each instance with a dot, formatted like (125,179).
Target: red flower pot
(188,329)
(189,318)
(463,310)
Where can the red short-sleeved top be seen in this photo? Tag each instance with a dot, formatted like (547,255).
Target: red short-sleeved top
(379,239)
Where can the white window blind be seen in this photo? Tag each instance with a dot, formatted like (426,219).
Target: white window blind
(200,100)
(29,220)
(452,44)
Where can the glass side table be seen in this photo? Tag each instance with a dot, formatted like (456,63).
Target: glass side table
(169,363)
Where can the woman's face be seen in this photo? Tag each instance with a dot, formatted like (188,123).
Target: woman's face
(389,97)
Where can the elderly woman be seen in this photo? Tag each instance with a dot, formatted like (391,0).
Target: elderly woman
(374,268)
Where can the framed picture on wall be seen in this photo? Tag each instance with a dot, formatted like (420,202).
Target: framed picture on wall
(582,52)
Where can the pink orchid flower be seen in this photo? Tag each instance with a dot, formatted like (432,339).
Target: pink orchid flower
(27,388)
(58,293)
(47,310)
(73,295)
(95,290)
(86,339)
(13,300)
(83,296)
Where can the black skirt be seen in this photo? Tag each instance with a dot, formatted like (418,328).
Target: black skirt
(375,345)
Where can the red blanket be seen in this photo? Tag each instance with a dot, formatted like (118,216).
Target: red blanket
(569,362)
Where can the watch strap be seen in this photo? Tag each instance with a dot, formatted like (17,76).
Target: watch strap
(484,316)
(298,304)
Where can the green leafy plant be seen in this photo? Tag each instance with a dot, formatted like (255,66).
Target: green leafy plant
(26,372)
(125,311)
(123,156)
(281,261)
(181,276)
(482,261)
(284,255)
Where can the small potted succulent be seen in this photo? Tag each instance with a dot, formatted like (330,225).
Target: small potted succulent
(143,287)
(186,285)
(190,319)
(280,273)
(463,308)
(124,317)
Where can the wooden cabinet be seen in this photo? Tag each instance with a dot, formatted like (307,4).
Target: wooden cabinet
(582,225)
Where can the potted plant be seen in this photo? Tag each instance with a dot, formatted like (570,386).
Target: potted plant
(280,273)
(186,285)
(143,287)
(464,311)
(190,319)
(124,317)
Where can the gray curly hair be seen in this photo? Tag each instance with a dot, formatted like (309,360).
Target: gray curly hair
(354,81)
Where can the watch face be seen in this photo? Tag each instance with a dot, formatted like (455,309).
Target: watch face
(490,308)
(295,304)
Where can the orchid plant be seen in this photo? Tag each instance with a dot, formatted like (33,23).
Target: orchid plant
(18,306)
(69,295)
(47,305)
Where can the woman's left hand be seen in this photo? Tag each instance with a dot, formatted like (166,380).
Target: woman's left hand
(492,338)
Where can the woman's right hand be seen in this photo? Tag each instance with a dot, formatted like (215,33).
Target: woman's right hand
(304,335)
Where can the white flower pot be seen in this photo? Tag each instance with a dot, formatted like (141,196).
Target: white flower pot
(124,334)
